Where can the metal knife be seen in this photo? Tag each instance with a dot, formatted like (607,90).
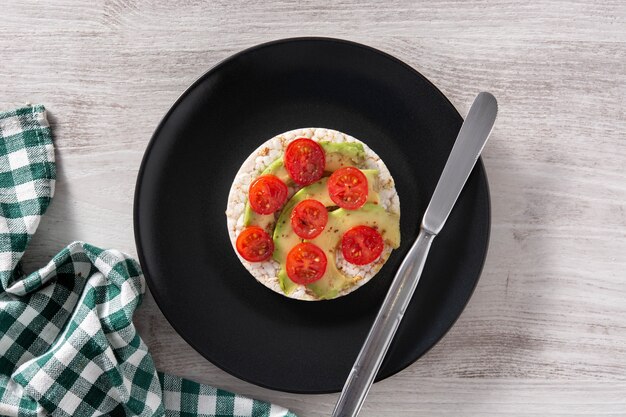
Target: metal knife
(466,150)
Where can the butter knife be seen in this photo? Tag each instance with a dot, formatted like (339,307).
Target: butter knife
(466,150)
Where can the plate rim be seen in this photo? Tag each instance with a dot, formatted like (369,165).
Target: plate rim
(140,175)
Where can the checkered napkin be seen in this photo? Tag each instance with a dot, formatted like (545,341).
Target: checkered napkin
(68,346)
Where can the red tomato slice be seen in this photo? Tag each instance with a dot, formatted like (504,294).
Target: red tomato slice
(267,194)
(306,263)
(309,218)
(305,161)
(254,244)
(361,245)
(347,187)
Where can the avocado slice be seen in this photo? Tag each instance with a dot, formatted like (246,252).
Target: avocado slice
(339,221)
(338,155)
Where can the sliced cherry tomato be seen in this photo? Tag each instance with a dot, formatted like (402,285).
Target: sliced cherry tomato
(255,244)
(309,218)
(361,245)
(267,194)
(306,263)
(347,187)
(305,161)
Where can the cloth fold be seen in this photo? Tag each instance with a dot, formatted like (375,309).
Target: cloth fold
(68,346)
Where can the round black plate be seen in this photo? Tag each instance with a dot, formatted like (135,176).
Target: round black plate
(182,188)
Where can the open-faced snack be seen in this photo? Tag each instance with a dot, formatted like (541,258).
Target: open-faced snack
(313,214)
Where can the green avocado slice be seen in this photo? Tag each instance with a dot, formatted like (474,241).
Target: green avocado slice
(339,222)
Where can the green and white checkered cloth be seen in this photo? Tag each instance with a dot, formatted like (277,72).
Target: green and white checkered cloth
(68,346)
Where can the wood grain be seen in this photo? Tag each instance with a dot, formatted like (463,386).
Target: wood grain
(545,332)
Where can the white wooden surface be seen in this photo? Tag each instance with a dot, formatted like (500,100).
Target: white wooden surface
(545,332)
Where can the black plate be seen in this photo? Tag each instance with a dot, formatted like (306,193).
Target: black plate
(182,188)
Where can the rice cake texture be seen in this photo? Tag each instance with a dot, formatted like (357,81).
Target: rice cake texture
(266,272)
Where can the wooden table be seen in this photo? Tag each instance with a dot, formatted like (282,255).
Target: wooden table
(544,333)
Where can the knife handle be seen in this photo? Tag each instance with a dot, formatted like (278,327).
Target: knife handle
(384,328)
